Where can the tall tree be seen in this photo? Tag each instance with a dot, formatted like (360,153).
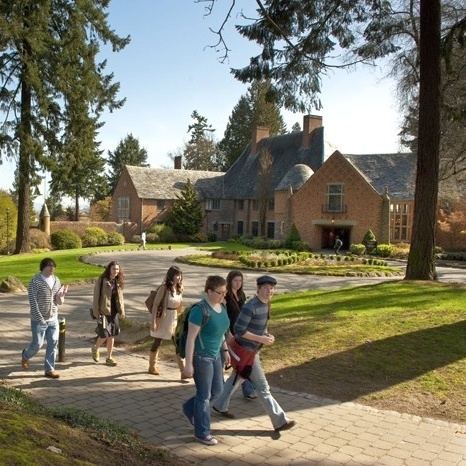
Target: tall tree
(299,40)
(252,110)
(200,152)
(421,264)
(186,214)
(48,52)
(128,152)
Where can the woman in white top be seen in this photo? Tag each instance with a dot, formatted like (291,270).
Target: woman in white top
(165,317)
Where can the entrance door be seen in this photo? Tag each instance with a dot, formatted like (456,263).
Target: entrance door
(329,234)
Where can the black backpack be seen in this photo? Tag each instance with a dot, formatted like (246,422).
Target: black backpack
(181,331)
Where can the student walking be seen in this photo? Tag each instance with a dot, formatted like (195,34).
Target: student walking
(165,311)
(108,307)
(234,301)
(45,293)
(250,332)
(205,342)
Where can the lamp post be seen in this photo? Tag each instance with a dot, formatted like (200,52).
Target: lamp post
(7,231)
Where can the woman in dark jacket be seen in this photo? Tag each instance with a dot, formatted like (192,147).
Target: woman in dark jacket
(234,300)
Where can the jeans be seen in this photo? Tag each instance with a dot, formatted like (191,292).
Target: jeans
(258,380)
(248,388)
(40,332)
(208,377)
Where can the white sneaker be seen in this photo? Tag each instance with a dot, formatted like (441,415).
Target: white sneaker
(209,440)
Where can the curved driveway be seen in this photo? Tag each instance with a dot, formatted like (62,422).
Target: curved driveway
(146,269)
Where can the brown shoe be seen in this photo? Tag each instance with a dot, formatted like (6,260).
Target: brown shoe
(52,375)
(226,414)
(287,426)
(153,371)
(25,363)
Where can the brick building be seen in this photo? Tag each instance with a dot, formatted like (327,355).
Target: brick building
(278,181)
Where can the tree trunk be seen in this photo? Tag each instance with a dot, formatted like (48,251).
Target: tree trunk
(26,148)
(421,263)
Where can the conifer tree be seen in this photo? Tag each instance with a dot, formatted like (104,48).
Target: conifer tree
(52,89)
(128,152)
(186,215)
(252,110)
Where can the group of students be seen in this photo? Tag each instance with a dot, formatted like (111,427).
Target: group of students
(231,317)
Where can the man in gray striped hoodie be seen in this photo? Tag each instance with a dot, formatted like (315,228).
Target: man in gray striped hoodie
(45,294)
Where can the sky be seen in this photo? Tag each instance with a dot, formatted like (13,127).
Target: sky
(170,69)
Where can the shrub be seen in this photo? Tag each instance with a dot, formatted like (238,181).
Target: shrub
(94,236)
(39,239)
(384,250)
(115,239)
(357,249)
(300,246)
(65,239)
(293,236)
(369,236)
(211,237)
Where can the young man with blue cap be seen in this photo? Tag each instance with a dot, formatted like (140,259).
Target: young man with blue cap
(250,331)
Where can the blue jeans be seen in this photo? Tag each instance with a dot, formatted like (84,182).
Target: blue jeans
(248,388)
(40,332)
(208,377)
(258,380)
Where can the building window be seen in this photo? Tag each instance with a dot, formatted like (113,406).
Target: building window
(255,204)
(271,204)
(239,227)
(240,204)
(400,222)
(212,204)
(270,230)
(255,228)
(335,194)
(123,209)
(160,204)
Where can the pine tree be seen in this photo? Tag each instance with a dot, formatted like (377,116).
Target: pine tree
(200,152)
(53,88)
(252,110)
(186,215)
(128,152)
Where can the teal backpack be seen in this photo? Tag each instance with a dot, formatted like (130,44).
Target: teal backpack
(181,331)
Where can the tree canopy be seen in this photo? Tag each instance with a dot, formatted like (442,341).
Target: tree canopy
(52,90)
(301,41)
(252,110)
(128,152)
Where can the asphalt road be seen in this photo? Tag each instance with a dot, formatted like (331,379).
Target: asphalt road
(145,270)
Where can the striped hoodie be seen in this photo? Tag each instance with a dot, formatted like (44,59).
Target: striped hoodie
(43,299)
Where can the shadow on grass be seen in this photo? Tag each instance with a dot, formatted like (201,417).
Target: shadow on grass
(379,365)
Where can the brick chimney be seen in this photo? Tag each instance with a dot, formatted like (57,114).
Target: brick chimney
(259,133)
(310,123)
(177,162)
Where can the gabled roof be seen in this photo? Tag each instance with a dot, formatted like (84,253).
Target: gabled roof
(241,180)
(397,172)
(165,183)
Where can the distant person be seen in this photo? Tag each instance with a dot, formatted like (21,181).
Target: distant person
(338,244)
(204,345)
(165,312)
(250,331)
(234,300)
(142,244)
(108,307)
(45,293)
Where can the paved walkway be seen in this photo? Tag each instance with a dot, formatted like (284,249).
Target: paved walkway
(328,432)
